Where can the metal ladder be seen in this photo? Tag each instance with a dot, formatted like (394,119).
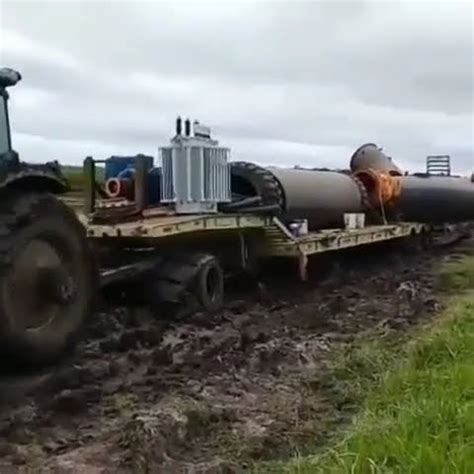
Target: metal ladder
(438,165)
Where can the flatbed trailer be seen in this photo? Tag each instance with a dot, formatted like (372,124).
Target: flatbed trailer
(271,238)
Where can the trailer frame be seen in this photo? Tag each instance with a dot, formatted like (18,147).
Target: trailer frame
(276,240)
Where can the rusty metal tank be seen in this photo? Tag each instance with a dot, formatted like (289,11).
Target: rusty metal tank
(321,197)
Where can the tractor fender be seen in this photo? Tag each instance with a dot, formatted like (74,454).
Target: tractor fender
(37,180)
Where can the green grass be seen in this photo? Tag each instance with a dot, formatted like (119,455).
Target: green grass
(419,416)
(75,176)
(76,181)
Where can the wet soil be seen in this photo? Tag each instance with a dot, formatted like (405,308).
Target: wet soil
(214,393)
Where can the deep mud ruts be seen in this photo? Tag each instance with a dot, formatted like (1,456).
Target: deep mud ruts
(213,392)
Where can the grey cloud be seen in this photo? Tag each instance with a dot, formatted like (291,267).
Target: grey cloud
(414,61)
(283,81)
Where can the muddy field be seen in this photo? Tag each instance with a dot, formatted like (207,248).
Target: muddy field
(214,393)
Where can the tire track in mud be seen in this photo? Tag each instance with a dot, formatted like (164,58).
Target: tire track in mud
(214,391)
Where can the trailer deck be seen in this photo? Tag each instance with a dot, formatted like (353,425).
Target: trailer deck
(283,244)
(166,226)
(277,238)
(280,241)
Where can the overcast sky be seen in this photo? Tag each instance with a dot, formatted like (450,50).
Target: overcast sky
(280,83)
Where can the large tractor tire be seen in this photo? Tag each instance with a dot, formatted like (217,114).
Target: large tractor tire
(47,278)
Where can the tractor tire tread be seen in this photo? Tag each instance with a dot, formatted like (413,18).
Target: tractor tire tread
(18,210)
(264,182)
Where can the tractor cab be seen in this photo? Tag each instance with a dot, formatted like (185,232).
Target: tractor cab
(8,78)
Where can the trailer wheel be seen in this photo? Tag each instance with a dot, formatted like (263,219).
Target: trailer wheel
(210,284)
(180,285)
(47,280)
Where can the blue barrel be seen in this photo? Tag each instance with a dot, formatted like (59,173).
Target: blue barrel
(116,164)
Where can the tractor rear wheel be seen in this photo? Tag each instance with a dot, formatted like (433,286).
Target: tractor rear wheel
(47,278)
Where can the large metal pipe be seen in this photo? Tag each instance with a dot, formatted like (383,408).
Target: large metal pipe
(376,183)
(321,197)
(436,199)
(422,198)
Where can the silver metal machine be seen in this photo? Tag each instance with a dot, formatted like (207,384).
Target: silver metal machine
(196,174)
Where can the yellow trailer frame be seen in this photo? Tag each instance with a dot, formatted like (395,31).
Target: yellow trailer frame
(166,226)
(277,240)
(281,243)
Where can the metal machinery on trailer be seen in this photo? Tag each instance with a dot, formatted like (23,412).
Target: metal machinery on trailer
(174,231)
